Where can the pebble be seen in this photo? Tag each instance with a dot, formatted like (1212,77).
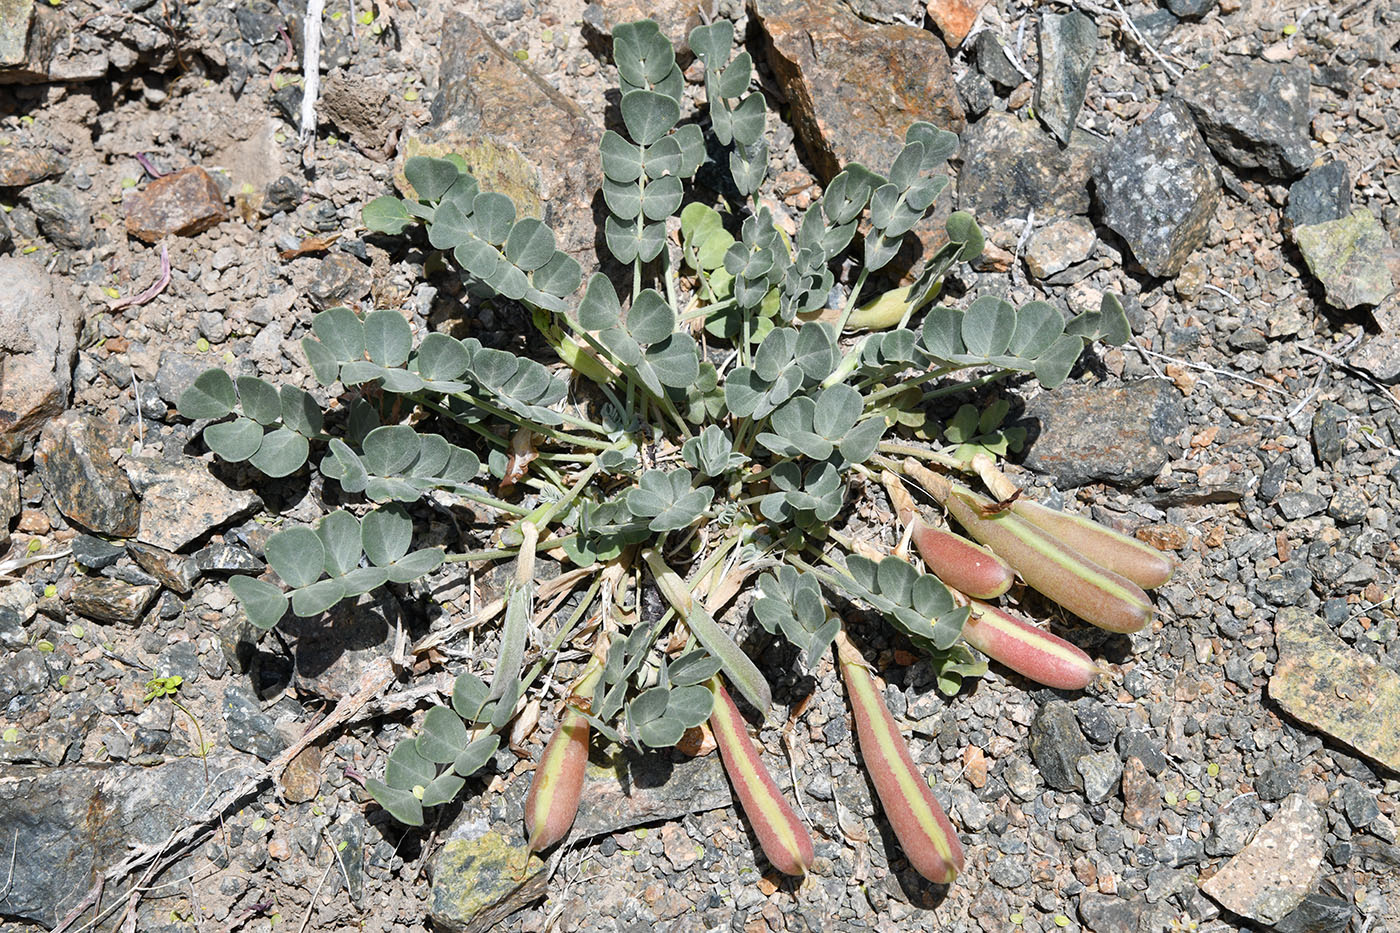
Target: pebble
(86,484)
(249,728)
(1142,796)
(1101,772)
(1348,257)
(1253,114)
(1057,745)
(95,553)
(1067,44)
(1321,195)
(111,600)
(183,203)
(1058,246)
(40,320)
(63,218)
(1271,875)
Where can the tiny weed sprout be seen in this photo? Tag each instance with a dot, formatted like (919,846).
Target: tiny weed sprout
(705,410)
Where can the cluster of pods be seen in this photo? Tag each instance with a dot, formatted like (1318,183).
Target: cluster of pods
(1089,569)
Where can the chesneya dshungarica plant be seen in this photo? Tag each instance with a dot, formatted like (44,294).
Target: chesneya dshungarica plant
(919,823)
(703,415)
(1047,564)
(782,835)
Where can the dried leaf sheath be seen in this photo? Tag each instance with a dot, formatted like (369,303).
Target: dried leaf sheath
(923,829)
(784,839)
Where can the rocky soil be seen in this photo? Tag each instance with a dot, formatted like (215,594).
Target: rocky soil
(1229,166)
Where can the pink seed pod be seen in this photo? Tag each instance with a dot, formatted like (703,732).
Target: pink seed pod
(557,784)
(962,564)
(785,841)
(1141,563)
(1027,649)
(922,828)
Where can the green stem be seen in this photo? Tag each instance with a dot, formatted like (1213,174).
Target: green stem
(966,384)
(500,553)
(203,749)
(898,387)
(851,300)
(922,453)
(500,505)
(546,430)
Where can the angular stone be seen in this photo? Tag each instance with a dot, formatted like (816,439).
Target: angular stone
(1319,913)
(1272,875)
(1191,9)
(95,553)
(1321,195)
(183,203)
(38,343)
(1057,745)
(111,600)
(1067,42)
(87,485)
(633,789)
(174,571)
(332,651)
(976,94)
(1111,434)
(302,779)
(364,108)
(1254,114)
(1325,683)
(954,18)
(822,56)
(249,729)
(181,501)
(1348,257)
(675,17)
(1105,913)
(1158,188)
(1379,355)
(227,558)
(63,218)
(1059,245)
(1235,825)
(16,16)
(1101,772)
(480,878)
(518,135)
(21,165)
(1011,168)
(73,822)
(341,279)
(176,373)
(1142,797)
(994,62)
(10,502)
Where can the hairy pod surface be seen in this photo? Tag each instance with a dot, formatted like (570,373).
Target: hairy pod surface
(1049,566)
(1028,649)
(555,788)
(785,841)
(1128,557)
(922,828)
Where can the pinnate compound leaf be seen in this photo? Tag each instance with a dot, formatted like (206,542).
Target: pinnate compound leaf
(211,396)
(412,566)
(263,602)
(234,441)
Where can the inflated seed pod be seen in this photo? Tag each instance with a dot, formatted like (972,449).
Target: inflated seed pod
(785,841)
(1140,562)
(1048,565)
(1028,649)
(919,823)
(1128,557)
(962,564)
(557,784)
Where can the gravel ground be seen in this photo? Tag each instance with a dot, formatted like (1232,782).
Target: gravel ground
(1252,428)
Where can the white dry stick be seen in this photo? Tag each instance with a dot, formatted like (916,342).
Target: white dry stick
(311,67)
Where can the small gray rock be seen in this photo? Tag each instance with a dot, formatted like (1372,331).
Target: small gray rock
(109,600)
(1191,9)
(227,558)
(1057,745)
(1296,505)
(1348,257)
(64,219)
(993,61)
(1134,743)
(1101,772)
(1180,851)
(1234,826)
(95,553)
(1318,913)
(1066,42)
(1360,806)
(249,728)
(1321,195)
(1327,432)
